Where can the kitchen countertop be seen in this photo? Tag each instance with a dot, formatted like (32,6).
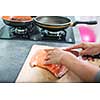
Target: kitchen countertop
(13,54)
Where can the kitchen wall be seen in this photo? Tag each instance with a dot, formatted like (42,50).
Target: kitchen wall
(96,28)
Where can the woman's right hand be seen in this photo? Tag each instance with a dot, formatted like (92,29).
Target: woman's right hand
(87,48)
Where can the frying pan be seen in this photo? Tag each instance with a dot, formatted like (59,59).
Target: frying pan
(56,23)
(17,20)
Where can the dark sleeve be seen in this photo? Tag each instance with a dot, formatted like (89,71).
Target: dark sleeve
(97,78)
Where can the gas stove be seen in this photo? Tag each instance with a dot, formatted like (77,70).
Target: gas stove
(58,35)
(66,35)
(34,33)
(18,32)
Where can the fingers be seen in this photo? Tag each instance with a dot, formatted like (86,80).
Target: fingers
(48,56)
(85,52)
(46,62)
(47,50)
(76,46)
(49,61)
(76,53)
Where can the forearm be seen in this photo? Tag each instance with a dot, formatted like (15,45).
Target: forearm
(84,70)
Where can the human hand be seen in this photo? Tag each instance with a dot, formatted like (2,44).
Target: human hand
(87,48)
(56,56)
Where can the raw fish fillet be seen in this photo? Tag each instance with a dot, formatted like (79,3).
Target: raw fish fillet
(37,60)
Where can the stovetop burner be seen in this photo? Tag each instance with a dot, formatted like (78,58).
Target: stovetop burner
(64,36)
(37,34)
(34,33)
(18,32)
(59,35)
(21,32)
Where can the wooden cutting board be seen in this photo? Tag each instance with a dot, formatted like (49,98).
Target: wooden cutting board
(36,74)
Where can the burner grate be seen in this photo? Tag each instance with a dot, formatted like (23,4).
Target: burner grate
(59,35)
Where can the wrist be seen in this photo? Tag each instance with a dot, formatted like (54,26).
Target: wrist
(65,59)
(62,60)
(68,59)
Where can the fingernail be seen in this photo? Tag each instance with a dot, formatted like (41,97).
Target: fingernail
(45,63)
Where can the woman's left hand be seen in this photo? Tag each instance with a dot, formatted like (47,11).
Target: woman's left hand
(54,56)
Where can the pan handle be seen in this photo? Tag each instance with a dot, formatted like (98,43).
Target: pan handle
(84,22)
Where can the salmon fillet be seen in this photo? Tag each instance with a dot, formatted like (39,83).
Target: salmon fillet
(37,60)
(21,18)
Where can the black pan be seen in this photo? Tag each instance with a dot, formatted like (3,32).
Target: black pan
(56,23)
(11,21)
